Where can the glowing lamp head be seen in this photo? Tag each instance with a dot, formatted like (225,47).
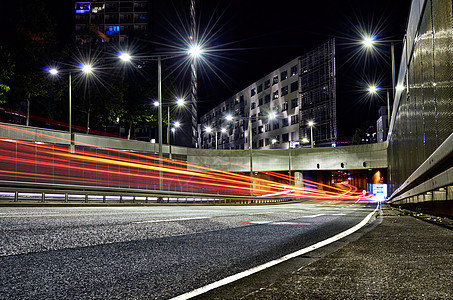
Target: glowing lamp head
(229,117)
(53,71)
(177,124)
(311,123)
(180,102)
(272,115)
(195,51)
(223,130)
(208,129)
(87,69)
(368,41)
(305,140)
(124,56)
(373,89)
(156,103)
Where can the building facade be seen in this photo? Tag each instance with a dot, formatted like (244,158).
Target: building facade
(300,91)
(382,128)
(110,21)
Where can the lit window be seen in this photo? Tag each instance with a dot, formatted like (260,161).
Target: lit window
(112,29)
(267,84)
(275,95)
(294,70)
(260,88)
(275,80)
(82,7)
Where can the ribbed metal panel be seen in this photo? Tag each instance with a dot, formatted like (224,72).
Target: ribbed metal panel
(424,112)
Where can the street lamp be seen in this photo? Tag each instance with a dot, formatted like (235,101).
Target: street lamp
(369,42)
(374,90)
(193,51)
(311,124)
(271,116)
(209,130)
(87,69)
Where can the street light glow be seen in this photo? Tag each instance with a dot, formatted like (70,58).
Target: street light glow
(223,130)
(373,89)
(272,115)
(156,103)
(311,123)
(400,87)
(229,117)
(368,41)
(177,124)
(208,129)
(180,102)
(53,71)
(195,51)
(87,69)
(124,56)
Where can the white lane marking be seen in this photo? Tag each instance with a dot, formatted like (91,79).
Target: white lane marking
(171,220)
(313,216)
(338,214)
(272,263)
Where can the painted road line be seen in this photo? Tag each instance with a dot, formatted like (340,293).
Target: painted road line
(272,263)
(171,220)
(273,223)
(313,216)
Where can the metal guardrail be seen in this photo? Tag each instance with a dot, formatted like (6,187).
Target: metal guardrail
(43,192)
(431,181)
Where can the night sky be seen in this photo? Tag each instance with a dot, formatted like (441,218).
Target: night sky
(249,39)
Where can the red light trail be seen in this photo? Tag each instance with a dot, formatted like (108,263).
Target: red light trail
(25,161)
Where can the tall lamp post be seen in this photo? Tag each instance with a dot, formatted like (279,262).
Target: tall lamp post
(369,42)
(209,129)
(87,70)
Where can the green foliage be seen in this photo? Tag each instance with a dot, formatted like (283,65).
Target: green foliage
(6,72)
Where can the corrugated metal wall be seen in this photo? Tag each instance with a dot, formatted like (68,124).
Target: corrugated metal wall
(424,112)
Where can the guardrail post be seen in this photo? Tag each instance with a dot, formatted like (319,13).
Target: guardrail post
(16,196)
(66,197)
(103,198)
(86,198)
(121,199)
(43,197)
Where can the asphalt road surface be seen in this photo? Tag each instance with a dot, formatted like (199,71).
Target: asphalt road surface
(154,252)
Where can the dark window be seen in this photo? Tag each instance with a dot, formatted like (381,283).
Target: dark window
(253,105)
(260,102)
(275,95)
(294,119)
(285,137)
(283,75)
(294,103)
(294,86)
(267,98)
(267,84)
(275,125)
(253,92)
(284,90)
(285,122)
(261,143)
(267,141)
(260,88)
(268,127)
(275,80)
(260,129)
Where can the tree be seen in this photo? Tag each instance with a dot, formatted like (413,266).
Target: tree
(6,72)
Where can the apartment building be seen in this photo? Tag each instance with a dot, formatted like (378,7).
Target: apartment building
(299,92)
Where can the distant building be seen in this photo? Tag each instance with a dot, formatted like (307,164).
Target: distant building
(110,21)
(382,125)
(300,91)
